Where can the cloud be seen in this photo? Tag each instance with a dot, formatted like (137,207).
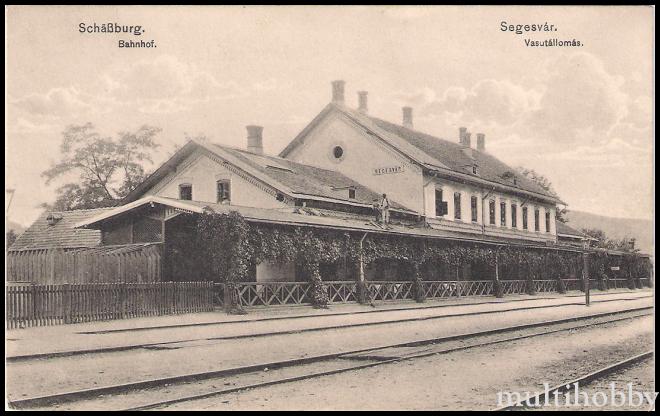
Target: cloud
(579,95)
(57,102)
(573,100)
(487,102)
(640,113)
(166,84)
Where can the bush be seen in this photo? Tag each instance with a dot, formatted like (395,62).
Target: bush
(319,291)
(418,290)
(498,289)
(531,289)
(561,286)
(362,294)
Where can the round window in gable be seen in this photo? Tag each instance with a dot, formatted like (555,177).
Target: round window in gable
(338,152)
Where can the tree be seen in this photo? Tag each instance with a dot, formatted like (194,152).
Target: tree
(101,170)
(544,183)
(10,237)
(603,241)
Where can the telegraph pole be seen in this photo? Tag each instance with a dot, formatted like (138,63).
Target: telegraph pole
(585,277)
(11,197)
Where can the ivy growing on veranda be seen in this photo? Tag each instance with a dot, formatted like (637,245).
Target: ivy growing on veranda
(225,246)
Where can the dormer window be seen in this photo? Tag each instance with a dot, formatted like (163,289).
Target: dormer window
(185,192)
(223,191)
(53,218)
(351,193)
(475,169)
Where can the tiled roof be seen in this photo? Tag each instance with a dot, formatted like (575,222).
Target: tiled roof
(452,155)
(41,235)
(281,174)
(305,179)
(291,216)
(566,230)
(433,153)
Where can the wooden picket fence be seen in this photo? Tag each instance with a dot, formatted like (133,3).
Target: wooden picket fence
(40,305)
(128,263)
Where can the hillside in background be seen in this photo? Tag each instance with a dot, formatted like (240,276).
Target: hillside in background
(642,230)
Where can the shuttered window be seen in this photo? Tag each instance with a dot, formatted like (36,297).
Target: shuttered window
(439,204)
(503,214)
(457,205)
(185,192)
(536,220)
(223,188)
(514,216)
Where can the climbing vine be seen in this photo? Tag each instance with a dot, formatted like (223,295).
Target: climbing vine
(227,247)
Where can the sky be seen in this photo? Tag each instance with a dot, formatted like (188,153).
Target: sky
(581,116)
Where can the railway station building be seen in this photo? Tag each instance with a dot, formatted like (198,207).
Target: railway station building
(347,174)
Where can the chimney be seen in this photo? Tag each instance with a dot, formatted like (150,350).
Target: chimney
(362,100)
(338,92)
(255,140)
(461,135)
(467,139)
(407,117)
(481,142)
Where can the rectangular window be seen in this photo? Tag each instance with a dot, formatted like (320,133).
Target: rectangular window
(185,192)
(457,205)
(491,212)
(440,205)
(524,218)
(223,188)
(473,208)
(503,214)
(536,220)
(351,193)
(514,216)
(547,221)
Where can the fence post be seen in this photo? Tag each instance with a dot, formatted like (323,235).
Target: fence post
(67,303)
(173,304)
(124,295)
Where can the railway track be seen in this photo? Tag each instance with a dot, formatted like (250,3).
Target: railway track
(539,399)
(50,355)
(376,311)
(356,359)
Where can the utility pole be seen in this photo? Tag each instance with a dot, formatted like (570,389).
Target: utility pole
(9,191)
(585,277)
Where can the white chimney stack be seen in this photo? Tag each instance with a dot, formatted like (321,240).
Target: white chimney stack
(338,92)
(481,142)
(362,102)
(255,139)
(467,139)
(461,135)
(407,117)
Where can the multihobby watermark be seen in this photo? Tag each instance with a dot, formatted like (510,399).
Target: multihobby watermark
(572,396)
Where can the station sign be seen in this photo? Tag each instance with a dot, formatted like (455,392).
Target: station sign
(385,170)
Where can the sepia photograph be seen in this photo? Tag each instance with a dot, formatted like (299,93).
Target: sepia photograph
(316,208)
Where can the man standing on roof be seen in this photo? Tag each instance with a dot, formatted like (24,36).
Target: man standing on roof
(385,209)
